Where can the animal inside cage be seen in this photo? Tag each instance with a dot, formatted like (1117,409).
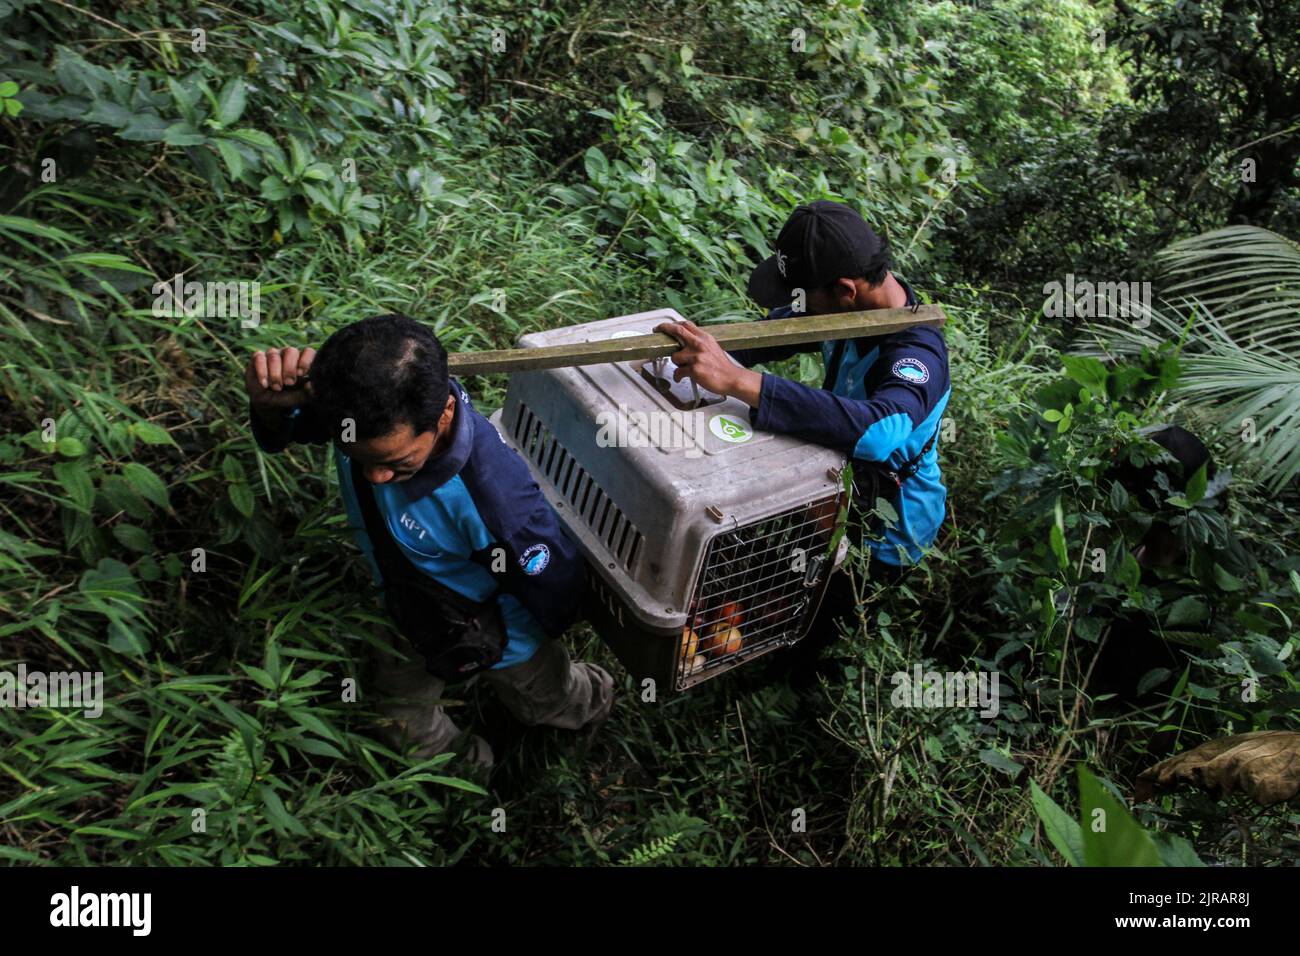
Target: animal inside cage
(709,544)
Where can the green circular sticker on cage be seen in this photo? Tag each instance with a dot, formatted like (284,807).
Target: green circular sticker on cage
(728,429)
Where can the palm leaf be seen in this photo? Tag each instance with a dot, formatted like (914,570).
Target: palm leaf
(1230,300)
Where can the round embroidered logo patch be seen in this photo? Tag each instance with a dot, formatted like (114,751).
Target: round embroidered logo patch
(912,370)
(535,559)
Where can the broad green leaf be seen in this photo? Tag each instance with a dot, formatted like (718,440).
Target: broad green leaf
(76,481)
(312,723)
(1189,609)
(1226,580)
(183,134)
(241,496)
(234,161)
(1129,572)
(277,814)
(133,537)
(273,188)
(142,479)
(1118,496)
(318,747)
(1175,851)
(233,469)
(1088,372)
(70,447)
(151,434)
(299,156)
(1000,761)
(1057,540)
(596,165)
(255,137)
(145,127)
(1153,678)
(1059,826)
(230,104)
(1111,837)
(886,511)
(121,496)
(109,114)
(264,679)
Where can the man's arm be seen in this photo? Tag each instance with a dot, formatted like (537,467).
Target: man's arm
(544,571)
(703,360)
(869,429)
(280,408)
(301,424)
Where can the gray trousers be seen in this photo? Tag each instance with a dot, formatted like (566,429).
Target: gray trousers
(547,689)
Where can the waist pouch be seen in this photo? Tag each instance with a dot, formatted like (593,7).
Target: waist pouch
(457,636)
(873,480)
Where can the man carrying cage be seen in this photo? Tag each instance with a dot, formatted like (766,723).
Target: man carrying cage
(880,403)
(476,571)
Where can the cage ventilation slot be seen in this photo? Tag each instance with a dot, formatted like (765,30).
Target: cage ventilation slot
(570,479)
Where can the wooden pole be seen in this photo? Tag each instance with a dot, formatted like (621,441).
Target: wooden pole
(731,335)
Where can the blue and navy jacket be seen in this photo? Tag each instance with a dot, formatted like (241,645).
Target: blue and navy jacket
(886,402)
(455,517)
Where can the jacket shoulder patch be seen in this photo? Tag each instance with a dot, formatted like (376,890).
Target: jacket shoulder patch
(911,370)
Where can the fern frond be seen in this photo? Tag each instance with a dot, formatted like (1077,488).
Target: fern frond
(649,852)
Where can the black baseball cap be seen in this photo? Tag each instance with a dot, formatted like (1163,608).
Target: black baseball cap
(820,242)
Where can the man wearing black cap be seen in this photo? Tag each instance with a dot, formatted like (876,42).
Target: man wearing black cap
(883,396)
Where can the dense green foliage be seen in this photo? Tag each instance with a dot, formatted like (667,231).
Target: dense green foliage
(494,169)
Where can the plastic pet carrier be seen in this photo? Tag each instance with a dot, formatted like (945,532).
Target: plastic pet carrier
(709,544)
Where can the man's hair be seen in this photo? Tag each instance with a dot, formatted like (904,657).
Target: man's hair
(874,269)
(381,372)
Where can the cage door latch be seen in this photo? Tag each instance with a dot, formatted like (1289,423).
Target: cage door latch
(813,572)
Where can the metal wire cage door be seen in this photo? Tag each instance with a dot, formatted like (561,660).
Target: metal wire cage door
(758,590)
